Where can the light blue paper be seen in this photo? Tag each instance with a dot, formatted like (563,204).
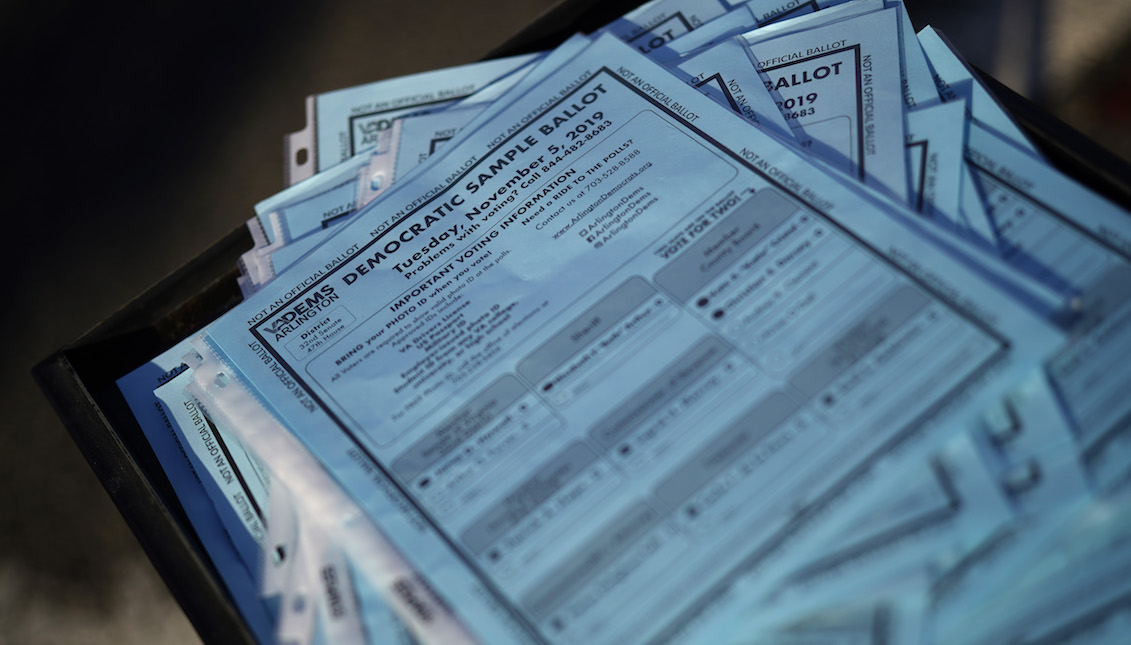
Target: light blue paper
(137,388)
(736,21)
(312,203)
(974,216)
(813,15)
(237,487)
(725,73)
(309,219)
(931,513)
(421,137)
(310,199)
(235,570)
(345,122)
(936,137)
(774,11)
(1075,593)
(839,88)
(1077,243)
(956,82)
(538,315)
(919,89)
(280,256)
(652,25)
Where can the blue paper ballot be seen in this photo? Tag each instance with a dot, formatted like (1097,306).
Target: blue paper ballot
(839,88)
(919,89)
(607,353)
(1091,375)
(811,18)
(725,73)
(955,82)
(173,450)
(377,617)
(307,206)
(918,84)
(583,349)
(326,590)
(238,487)
(285,220)
(137,388)
(281,258)
(1026,442)
(1077,592)
(653,24)
(304,220)
(319,203)
(431,127)
(539,70)
(734,22)
(717,70)
(773,11)
(893,614)
(1003,168)
(421,137)
(316,202)
(936,138)
(473,374)
(940,510)
(345,122)
(923,521)
(975,216)
(1079,243)
(375,177)
(992,589)
(1017,465)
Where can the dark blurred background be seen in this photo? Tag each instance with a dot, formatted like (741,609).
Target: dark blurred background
(138,135)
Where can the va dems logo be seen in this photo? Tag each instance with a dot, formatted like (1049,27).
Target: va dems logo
(369,131)
(302,311)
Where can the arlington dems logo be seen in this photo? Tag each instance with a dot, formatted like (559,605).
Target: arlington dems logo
(301,312)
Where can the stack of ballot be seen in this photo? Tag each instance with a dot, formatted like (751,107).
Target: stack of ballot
(750,323)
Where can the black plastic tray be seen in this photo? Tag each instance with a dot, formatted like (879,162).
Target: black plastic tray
(79,379)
